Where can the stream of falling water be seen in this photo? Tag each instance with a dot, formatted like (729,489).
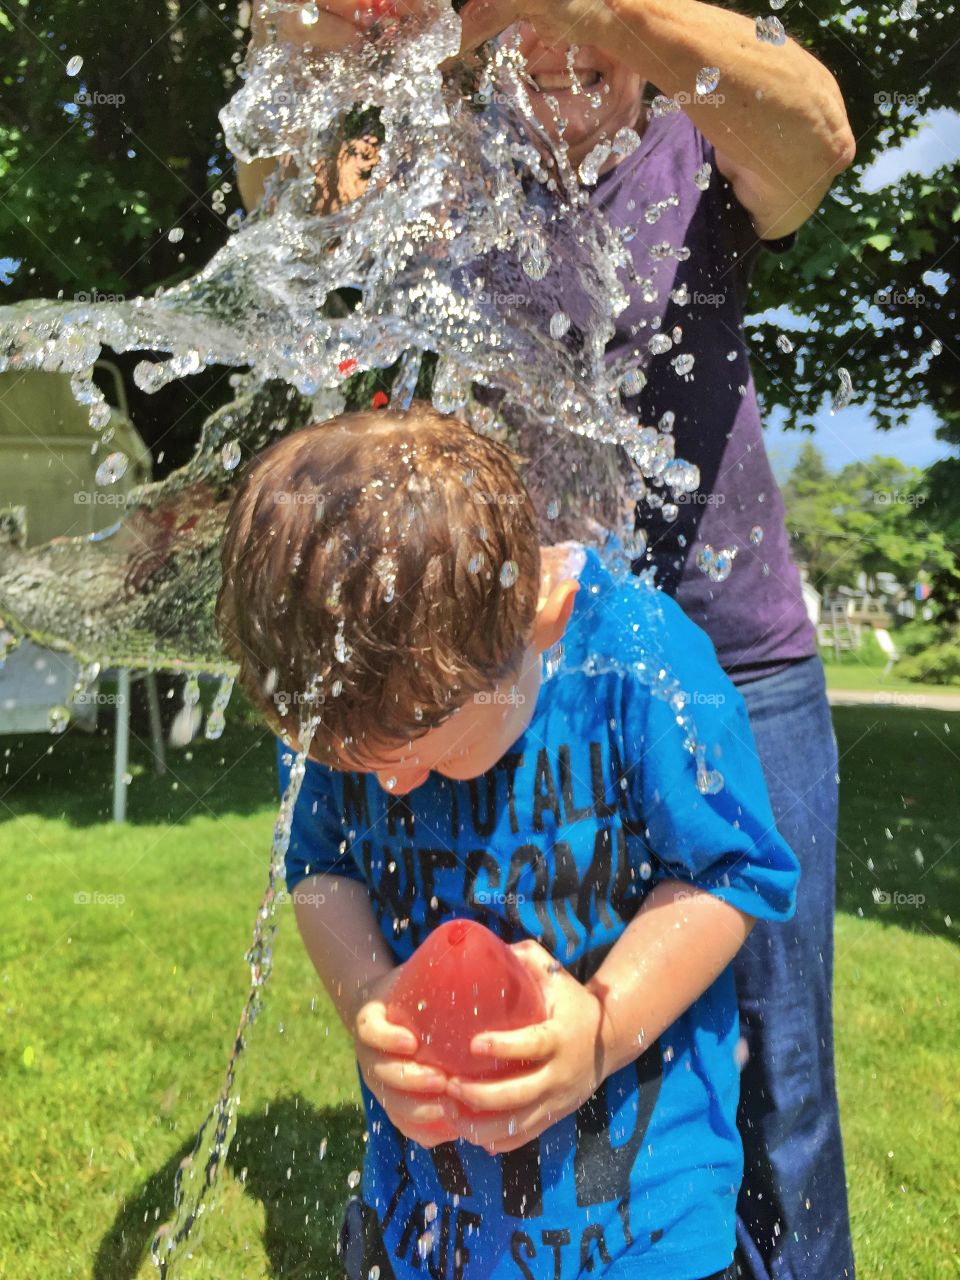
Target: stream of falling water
(198,1183)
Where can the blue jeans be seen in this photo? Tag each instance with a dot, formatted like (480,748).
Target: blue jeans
(792,1221)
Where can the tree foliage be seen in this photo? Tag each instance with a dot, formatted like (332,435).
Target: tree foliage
(869,517)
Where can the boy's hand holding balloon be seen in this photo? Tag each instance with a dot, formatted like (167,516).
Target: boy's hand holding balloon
(475,1039)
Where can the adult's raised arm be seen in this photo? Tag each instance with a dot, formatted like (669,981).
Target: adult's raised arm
(777,121)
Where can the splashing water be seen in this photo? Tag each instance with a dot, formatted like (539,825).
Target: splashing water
(462,202)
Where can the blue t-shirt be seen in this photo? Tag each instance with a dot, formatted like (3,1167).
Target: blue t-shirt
(560,841)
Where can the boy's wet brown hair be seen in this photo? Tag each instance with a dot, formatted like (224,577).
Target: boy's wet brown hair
(393,556)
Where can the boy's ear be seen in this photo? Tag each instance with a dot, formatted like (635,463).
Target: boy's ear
(553,614)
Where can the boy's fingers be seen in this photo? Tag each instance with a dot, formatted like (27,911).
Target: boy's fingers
(535,1042)
(517,1128)
(408,1111)
(499,1095)
(375,1030)
(411,1077)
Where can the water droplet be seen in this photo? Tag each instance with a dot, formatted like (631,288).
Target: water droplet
(57,719)
(75,65)
(716,565)
(559,324)
(683,364)
(702,176)
(509,573)
(709,781)
(476,562)
(680,295)
(553,509)
(430,1212)
(626,141)
(936,347)
(659,344)
(664,106)
(341,649)
(353,1178)
(707,79)
(844,392)
(593,162)
(112,468)
(230,455)
(908,10)
(756,535)
(309,14)
(670,511)
(633,382)
(784,343)
(175,235)
(374,1272)
(770,31)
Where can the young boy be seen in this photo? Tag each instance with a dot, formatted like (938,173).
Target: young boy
(390,565)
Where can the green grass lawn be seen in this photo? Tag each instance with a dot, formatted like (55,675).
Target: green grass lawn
(856,675)
(120,1011)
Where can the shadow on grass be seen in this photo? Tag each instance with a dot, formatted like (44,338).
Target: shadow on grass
(72,775)
(296,1248)
(898,858)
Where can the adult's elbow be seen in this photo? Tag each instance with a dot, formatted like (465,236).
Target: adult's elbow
(841,145)
(843,150)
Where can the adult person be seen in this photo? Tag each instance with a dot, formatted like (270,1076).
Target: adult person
(737,171)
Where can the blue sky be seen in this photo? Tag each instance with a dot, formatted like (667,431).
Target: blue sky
(850,434)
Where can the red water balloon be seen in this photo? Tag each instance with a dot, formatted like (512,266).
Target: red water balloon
(463,980)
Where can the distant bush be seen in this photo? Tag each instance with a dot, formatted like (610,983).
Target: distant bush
(938,664)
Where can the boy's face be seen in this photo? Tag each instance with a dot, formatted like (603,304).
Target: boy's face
(482,730)
(468,743)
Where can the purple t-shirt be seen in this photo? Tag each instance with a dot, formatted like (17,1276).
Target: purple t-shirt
(756,617)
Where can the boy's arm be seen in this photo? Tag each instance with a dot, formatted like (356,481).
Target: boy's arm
(679,942)
(343,940)
(676,946)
